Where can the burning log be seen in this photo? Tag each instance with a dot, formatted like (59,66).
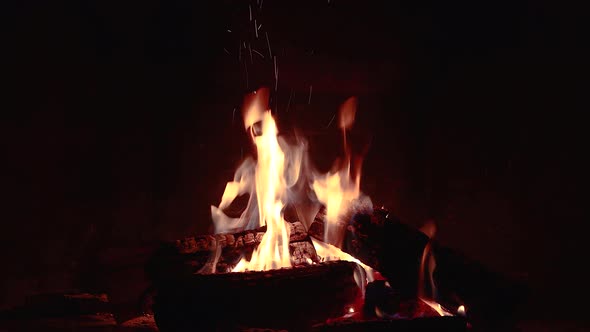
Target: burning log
(395,249)
(239,240)
(221,252)
(231,301)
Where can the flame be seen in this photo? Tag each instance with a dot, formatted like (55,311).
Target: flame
(429,229)
(437,307)
(362,275)
(461,311)
(281,174)
(337,189)
(273,250)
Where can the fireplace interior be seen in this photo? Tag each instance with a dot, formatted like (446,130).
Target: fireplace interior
(125,120)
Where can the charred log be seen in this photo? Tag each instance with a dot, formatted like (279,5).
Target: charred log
(431,324)
(395,249)
(239,240)
(228,302)
(221,252)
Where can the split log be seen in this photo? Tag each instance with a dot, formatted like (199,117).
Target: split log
(395,249)
(239,240)
(293,299)
(221,252)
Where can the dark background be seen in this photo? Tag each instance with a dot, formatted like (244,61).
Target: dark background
(120,128)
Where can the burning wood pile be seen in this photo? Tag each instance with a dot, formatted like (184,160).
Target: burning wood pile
(306,251)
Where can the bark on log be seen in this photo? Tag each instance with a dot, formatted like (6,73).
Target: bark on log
(221,252)
(193,244)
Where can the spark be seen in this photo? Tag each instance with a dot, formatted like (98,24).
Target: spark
(256,29)
(331,120)
(261,2)
(268,43)
(255,51)
(250,11)
(259,26)
(310,91)
(226,51)
(228,30)
(276,73)
(289,102)
(233,115)
(250,50)
(240,52)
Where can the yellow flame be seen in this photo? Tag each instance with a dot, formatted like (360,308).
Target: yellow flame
(461,310)
(273,250)
(429,229)
(437,307)
(329,253)
(273,179)
(336,190)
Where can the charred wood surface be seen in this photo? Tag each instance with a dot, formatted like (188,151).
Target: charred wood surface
(431,324)
(294,299)
(221,252)
(239,240)
(395,249)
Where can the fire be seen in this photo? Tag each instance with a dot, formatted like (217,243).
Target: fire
(331,253)
(270,187)
(279,175)
(337,189)
(429,229)
(270,181)
(273,251)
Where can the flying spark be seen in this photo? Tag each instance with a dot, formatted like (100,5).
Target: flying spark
(268,43)
(289,102)
(310,90)
(331,120)
(255,51)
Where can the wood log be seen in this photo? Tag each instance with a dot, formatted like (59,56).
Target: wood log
(293,299)
(395,249)
(60,304)
(433,324)
(239,240)
(221,252)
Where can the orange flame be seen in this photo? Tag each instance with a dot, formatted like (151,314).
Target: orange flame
(429,229)
(337,189)
(270,181)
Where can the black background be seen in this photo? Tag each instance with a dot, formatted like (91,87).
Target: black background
(120,128)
